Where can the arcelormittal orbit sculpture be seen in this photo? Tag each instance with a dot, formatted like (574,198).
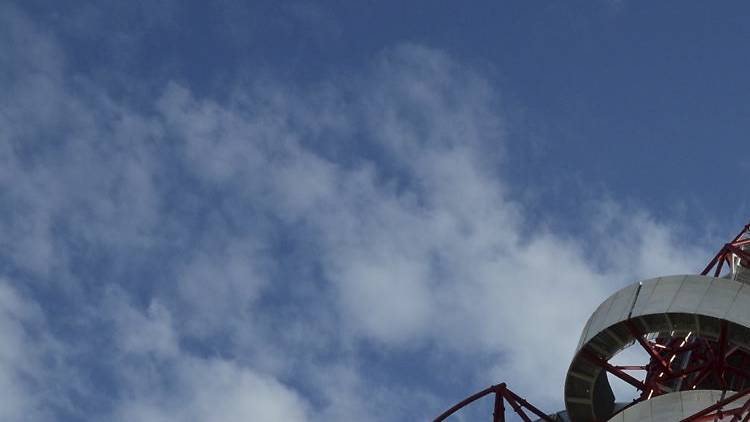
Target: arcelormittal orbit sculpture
(695,332)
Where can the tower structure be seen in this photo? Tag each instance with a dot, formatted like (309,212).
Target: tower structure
(694,331)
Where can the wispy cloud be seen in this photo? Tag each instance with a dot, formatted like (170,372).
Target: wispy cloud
(241,258)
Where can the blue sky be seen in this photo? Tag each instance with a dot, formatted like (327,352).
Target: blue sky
(334,211)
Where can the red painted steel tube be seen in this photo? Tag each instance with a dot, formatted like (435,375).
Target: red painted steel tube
(528,406)
(713,262)
(742,411)
(721,255)
(612,370)
(636,333)
(467,401)
(688,371)
(498,414)
(723,258)
(517,408)
(631,367)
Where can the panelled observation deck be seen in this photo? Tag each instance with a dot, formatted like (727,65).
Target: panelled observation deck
(690,309)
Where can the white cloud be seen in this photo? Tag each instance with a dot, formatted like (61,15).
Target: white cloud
(67,153)
(220,283)
(150,331)
(391,181)
(22,373)
(426,245)
(160,382)
(213,390)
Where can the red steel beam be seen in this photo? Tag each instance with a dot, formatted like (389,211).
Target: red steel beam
(688,371)
(498,415)
(721,255)
(613,370)
(721,265)
(742,411)
(713,262)
(509,394)
(636,333)
(631,367)
(465,402)
(702,376)
(517,408)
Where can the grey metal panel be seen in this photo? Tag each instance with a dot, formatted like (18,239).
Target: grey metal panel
(584,337)
(683,294)
(697,399)
(612,310)
(663,295)
(689,296)
(600,317)
(621,304)
(740,312)
(672,407)
(644,296)
(719,298)
(667,408)
(638,413)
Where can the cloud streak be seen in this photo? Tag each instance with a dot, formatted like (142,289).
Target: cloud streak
(245,258)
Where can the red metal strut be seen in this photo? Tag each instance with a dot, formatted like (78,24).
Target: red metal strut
(733,247)
(502,394)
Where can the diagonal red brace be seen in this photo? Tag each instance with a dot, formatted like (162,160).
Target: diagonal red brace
(636,333)
(613,370)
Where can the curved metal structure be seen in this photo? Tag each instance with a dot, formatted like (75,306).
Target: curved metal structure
(694,328)
(695,332)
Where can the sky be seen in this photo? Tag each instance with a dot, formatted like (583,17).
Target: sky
(336,211)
